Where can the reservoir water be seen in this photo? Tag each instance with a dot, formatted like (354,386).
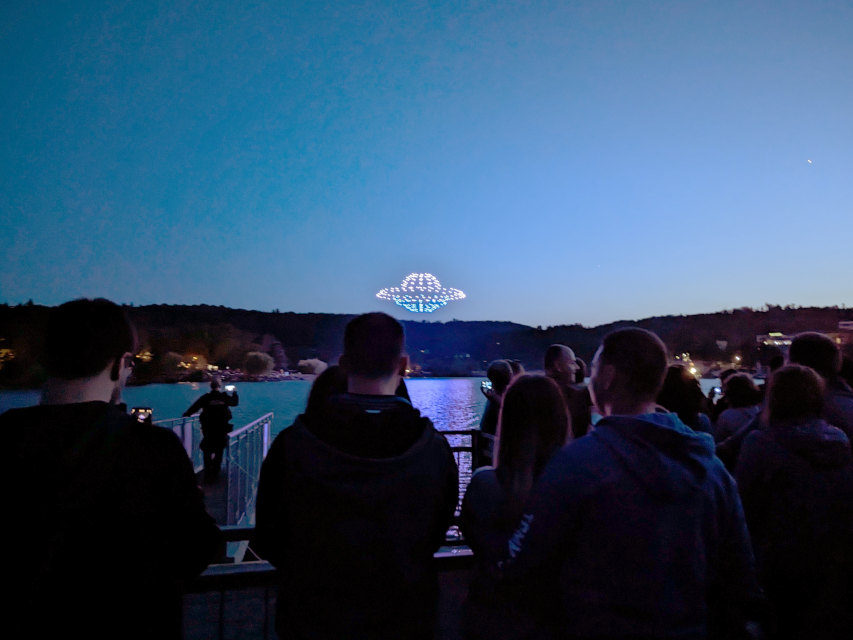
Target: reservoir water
(451,403)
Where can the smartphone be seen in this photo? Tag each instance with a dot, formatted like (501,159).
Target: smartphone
(486,385)
(718,390)
(142,414)
(229,388)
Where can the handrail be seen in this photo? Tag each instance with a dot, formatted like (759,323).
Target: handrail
(188,430)
(210,614)
(454,554)
(265,417)
(247,448)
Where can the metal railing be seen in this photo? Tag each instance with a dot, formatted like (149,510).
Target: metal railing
(188,431)
(247,448)
(216,602)
(242,458)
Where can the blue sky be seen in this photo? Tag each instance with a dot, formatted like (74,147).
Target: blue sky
(560,162)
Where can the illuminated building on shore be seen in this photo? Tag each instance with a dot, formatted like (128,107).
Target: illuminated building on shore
(783,341)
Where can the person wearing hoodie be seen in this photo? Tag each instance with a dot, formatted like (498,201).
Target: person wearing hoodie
(642,519)
(796,481)
(353,500)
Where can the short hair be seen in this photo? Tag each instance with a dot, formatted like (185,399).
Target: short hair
(640,356)
(727,373)
(795,392)
(556,351)
(846,370)
(581,373)
(817,351)
(516,366)
(776,361)
(741,391)
(83,336)
(500,373)
(373,344)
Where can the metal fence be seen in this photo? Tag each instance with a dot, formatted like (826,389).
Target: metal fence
(241,461)
(247,448)
(188,431)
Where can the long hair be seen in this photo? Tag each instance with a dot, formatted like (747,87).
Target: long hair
(795,394)
(681,394)
(534,422)
(741,391)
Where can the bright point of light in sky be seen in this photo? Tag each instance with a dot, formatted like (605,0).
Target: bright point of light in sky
(292,155)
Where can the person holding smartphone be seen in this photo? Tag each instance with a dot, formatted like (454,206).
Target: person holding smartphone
(215,425)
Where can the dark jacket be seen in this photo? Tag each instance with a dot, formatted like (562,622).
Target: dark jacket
(108,524)
(648,530)
(495,609)
(215,417)
(730,421)
(796,482)
(839,405)
(352,503)
(214,406)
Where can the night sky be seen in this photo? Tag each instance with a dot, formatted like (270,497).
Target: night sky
(559,162)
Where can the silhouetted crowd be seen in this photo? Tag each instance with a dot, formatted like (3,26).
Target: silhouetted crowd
(660,512)
(630,506)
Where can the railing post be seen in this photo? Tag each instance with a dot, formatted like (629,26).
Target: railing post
(187,436)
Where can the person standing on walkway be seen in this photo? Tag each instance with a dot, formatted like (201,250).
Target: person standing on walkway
(108,519)
(215,425)
(353,500)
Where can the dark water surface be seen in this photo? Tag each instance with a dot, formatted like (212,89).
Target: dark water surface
(451,403)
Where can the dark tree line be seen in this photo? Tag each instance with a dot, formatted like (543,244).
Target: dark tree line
(170,334)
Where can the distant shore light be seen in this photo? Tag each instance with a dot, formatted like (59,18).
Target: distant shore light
(420,293)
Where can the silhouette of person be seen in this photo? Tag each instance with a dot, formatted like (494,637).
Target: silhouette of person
(795,477)
(374,485)
(567,370)
(108,518)
(215,426)
(500,375)
(641,521)
(534,423)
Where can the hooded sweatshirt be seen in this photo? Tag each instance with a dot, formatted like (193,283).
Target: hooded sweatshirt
(797,486)
(648,531)
(352,503)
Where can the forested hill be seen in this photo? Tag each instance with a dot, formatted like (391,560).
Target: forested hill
(224,337)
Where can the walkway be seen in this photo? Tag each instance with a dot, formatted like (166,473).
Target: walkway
(215,496)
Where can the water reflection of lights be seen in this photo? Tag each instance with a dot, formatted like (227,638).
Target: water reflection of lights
(453,404)
(420,293)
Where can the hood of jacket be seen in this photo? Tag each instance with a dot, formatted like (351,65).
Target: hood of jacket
(367,426)
(667,458)
(815,440)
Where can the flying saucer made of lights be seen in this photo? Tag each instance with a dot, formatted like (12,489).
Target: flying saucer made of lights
(420,293)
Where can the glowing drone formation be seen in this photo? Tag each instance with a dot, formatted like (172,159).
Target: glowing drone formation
(420,293)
